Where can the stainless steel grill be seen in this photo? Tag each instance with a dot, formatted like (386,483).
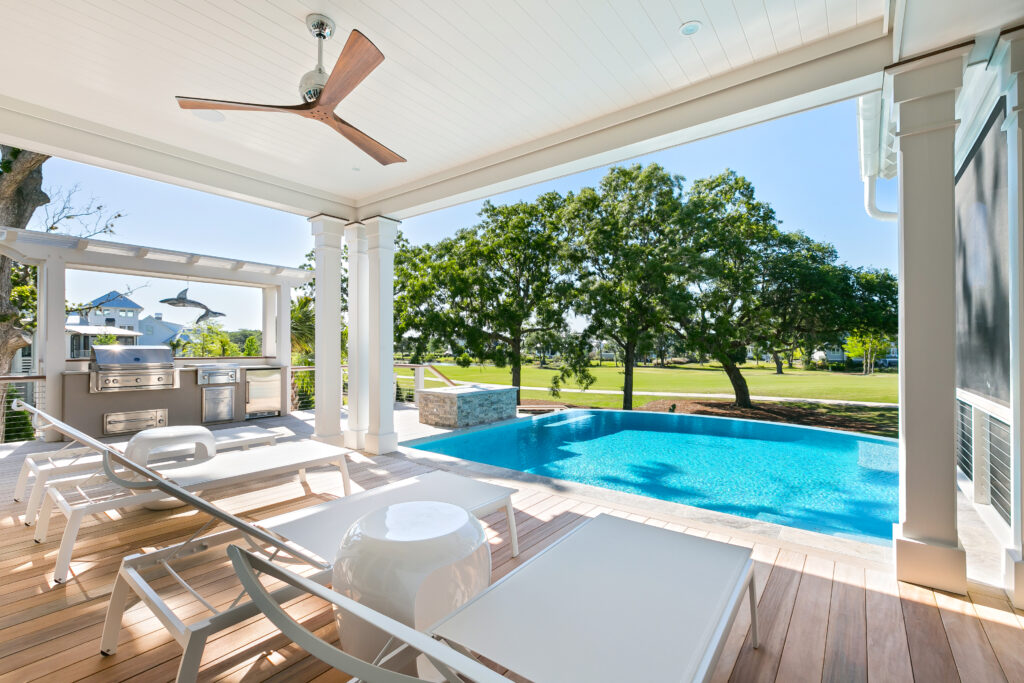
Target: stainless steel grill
(131,368)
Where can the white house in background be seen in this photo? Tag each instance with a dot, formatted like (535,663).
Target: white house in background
(114,309)
(156,330)
(80,335)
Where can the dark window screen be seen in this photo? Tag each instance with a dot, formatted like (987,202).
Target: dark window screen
(982,266)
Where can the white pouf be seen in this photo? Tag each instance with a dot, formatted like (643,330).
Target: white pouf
(415,562)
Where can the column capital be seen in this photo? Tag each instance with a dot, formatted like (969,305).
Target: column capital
(381,232)
(1015,43)
(943,72)
(924,92)
(355,237)
(327,230)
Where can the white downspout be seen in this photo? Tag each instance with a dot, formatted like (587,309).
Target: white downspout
(870,204)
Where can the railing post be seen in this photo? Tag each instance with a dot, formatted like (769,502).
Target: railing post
(418,374)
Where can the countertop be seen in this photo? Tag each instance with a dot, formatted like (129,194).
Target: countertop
(186,368)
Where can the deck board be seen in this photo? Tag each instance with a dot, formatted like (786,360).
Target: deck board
(823,616)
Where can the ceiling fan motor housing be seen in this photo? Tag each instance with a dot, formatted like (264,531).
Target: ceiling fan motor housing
(312,83)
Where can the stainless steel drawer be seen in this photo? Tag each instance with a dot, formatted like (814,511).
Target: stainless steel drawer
(134,421)
(218,404)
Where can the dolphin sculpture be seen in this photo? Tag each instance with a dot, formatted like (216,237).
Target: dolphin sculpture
(182,301)
(207,315)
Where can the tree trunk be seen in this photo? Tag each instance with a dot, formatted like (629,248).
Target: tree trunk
(739,382)
(517,364)
(789,360)
(21,193)
(778,363)
(627,384)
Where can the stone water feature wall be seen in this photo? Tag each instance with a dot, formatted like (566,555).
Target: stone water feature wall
(466,405)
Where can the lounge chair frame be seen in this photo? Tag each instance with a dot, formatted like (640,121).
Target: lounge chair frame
(405,642)
(146,485)
(78,462)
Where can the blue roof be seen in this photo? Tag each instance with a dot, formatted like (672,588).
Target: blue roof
(114,300)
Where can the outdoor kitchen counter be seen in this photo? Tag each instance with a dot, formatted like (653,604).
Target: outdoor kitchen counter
(84,410)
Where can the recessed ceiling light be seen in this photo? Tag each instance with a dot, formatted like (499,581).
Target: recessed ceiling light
(356,169)
(690,27)
(209,115)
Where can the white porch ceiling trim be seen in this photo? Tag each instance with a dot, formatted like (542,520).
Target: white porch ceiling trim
(50,132)
(843,67)
(836,68)
(33,247)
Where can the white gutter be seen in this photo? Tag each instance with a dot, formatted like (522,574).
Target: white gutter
(869,135)
(871,205)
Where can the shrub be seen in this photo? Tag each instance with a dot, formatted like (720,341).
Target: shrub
(464,360)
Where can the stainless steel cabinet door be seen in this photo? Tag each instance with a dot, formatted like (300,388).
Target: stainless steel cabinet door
(262,391)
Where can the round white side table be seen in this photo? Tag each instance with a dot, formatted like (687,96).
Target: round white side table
(415,562)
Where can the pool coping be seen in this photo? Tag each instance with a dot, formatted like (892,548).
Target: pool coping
(875,555)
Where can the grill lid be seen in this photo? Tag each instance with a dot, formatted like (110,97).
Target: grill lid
(116,356)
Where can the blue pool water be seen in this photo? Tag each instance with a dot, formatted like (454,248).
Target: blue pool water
(822,480)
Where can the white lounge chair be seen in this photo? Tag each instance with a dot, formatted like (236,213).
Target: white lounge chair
(659,609)
(316,530)
(82,461)
(107,491)
(406,643)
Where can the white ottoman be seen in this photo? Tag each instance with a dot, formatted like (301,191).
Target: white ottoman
(415,562)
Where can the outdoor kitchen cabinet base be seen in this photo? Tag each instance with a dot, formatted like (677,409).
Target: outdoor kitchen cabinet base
(84,410)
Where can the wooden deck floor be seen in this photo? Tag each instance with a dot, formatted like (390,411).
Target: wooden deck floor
(822,618)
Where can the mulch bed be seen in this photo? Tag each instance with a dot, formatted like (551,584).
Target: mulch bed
(870,420)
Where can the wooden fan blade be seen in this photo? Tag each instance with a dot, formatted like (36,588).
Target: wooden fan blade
(379,152)
(225,105)
(358,58)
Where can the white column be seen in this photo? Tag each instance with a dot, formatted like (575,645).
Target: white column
(51,317)
(283,342)
(927,547)
(327,232)
(380,237)
(1010,57)
(358,337)
(283,321)
(269,322)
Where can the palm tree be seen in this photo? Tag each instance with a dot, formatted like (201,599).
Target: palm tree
(303,325)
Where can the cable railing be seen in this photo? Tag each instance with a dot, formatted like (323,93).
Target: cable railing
(303,394)
(17,424)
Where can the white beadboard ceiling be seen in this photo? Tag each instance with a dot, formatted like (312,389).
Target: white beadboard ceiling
(462,81)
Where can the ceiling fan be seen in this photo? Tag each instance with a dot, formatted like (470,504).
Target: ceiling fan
(322,92)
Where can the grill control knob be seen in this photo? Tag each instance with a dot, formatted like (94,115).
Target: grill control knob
(138,380)
(113,381)
(106,381)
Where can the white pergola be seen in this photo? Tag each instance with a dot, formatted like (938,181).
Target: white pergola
(54,254)
(486,97)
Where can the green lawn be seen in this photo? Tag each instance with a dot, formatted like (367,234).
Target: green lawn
(709,379)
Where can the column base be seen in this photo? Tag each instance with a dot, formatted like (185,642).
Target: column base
(332,439)
(379,444)
(1013,577)
(355,439)
(930,564)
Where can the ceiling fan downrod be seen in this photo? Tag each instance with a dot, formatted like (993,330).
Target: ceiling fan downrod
(313,82)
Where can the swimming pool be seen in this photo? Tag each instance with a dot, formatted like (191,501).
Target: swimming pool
(822,480)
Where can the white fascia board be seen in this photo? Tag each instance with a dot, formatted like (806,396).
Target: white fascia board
(831,70)
(112,257)
(42,130)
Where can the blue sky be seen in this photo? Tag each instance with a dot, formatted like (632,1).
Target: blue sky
(805,165)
